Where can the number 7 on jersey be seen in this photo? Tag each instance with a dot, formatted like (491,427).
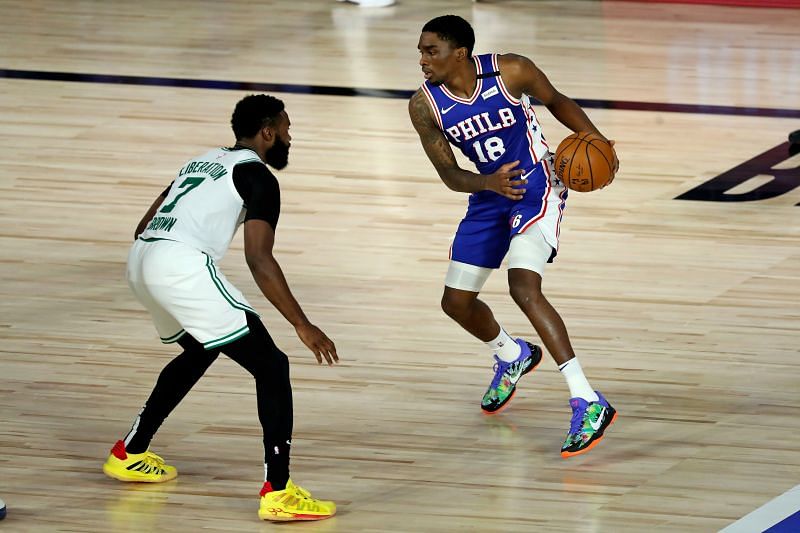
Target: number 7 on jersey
(189,184)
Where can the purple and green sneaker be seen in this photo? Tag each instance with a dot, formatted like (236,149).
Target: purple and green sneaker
(506,376)
(589,421)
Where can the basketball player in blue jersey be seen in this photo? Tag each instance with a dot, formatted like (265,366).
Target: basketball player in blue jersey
(482,105)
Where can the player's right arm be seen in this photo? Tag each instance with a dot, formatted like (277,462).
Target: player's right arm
(444,161)
(523,76)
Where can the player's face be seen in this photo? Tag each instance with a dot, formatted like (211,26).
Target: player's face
(278,155)
(438,58)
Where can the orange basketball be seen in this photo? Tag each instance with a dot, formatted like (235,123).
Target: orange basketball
(584,162)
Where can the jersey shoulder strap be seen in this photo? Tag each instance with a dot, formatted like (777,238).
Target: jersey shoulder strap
(489,68)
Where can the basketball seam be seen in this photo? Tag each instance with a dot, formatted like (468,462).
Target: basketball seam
(572,157)
(575,139)
(601,152)
(589,164)
(589,139)
(591,143)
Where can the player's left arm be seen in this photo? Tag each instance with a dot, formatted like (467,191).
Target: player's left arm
(521,75)
(260,192)
(151,212)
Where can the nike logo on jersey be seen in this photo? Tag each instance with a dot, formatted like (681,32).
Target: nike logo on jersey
(488,94)
(447,110)
(599,422)
(525,176)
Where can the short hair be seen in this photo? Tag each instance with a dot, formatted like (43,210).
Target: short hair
(454,29)
(254,112)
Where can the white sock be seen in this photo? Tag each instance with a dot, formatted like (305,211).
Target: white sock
(505,347)
(265,472)
(578,385)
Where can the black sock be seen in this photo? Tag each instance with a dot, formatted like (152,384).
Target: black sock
(277,461)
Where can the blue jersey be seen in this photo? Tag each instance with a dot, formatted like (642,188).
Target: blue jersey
(492,127)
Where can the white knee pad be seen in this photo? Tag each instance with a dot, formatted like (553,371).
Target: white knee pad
(466,277)
(529,250)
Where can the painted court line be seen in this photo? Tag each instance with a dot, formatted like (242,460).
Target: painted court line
(405,94)
(781,515)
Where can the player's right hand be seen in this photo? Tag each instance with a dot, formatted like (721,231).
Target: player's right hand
(505,181)
(317,342)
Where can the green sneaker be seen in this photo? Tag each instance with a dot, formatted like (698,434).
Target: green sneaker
(506,376)
(589,422)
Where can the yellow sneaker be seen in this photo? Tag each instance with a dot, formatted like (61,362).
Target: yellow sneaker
(144,467)
(292,503)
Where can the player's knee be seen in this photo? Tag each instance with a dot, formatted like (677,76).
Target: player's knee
(281,363)
(273,366)
(526,296)
(270,369)
(190,344)
(453,307)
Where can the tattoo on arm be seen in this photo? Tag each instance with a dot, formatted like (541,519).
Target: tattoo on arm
(436,146)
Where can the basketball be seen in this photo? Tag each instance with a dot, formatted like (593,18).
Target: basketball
(584,162)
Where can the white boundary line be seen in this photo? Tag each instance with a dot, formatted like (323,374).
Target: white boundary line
(768,514)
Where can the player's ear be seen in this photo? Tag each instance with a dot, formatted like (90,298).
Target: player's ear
(268,133)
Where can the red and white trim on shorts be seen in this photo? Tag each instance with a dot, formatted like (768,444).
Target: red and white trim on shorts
(543,211)
(563,197)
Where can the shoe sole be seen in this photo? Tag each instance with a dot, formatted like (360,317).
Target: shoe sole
(112,474)
(294,517)
(566,455)
(510,396)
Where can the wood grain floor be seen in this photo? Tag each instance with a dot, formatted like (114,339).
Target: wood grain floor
(685,314)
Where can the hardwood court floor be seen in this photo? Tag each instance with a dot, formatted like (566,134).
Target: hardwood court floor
(685,314)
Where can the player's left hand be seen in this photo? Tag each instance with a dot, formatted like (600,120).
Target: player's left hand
(317,342)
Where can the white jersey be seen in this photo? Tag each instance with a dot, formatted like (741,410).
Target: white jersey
(203,208)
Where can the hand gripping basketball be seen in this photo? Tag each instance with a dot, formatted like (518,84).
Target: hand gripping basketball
(586,161)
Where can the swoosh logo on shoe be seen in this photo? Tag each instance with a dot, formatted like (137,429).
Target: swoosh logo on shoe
(447,110)
(513,378)
(599,422)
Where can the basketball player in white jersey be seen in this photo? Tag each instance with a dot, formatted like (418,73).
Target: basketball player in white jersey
(482,105)
(172,270)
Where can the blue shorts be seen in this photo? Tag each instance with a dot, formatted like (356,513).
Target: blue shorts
(485,233)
